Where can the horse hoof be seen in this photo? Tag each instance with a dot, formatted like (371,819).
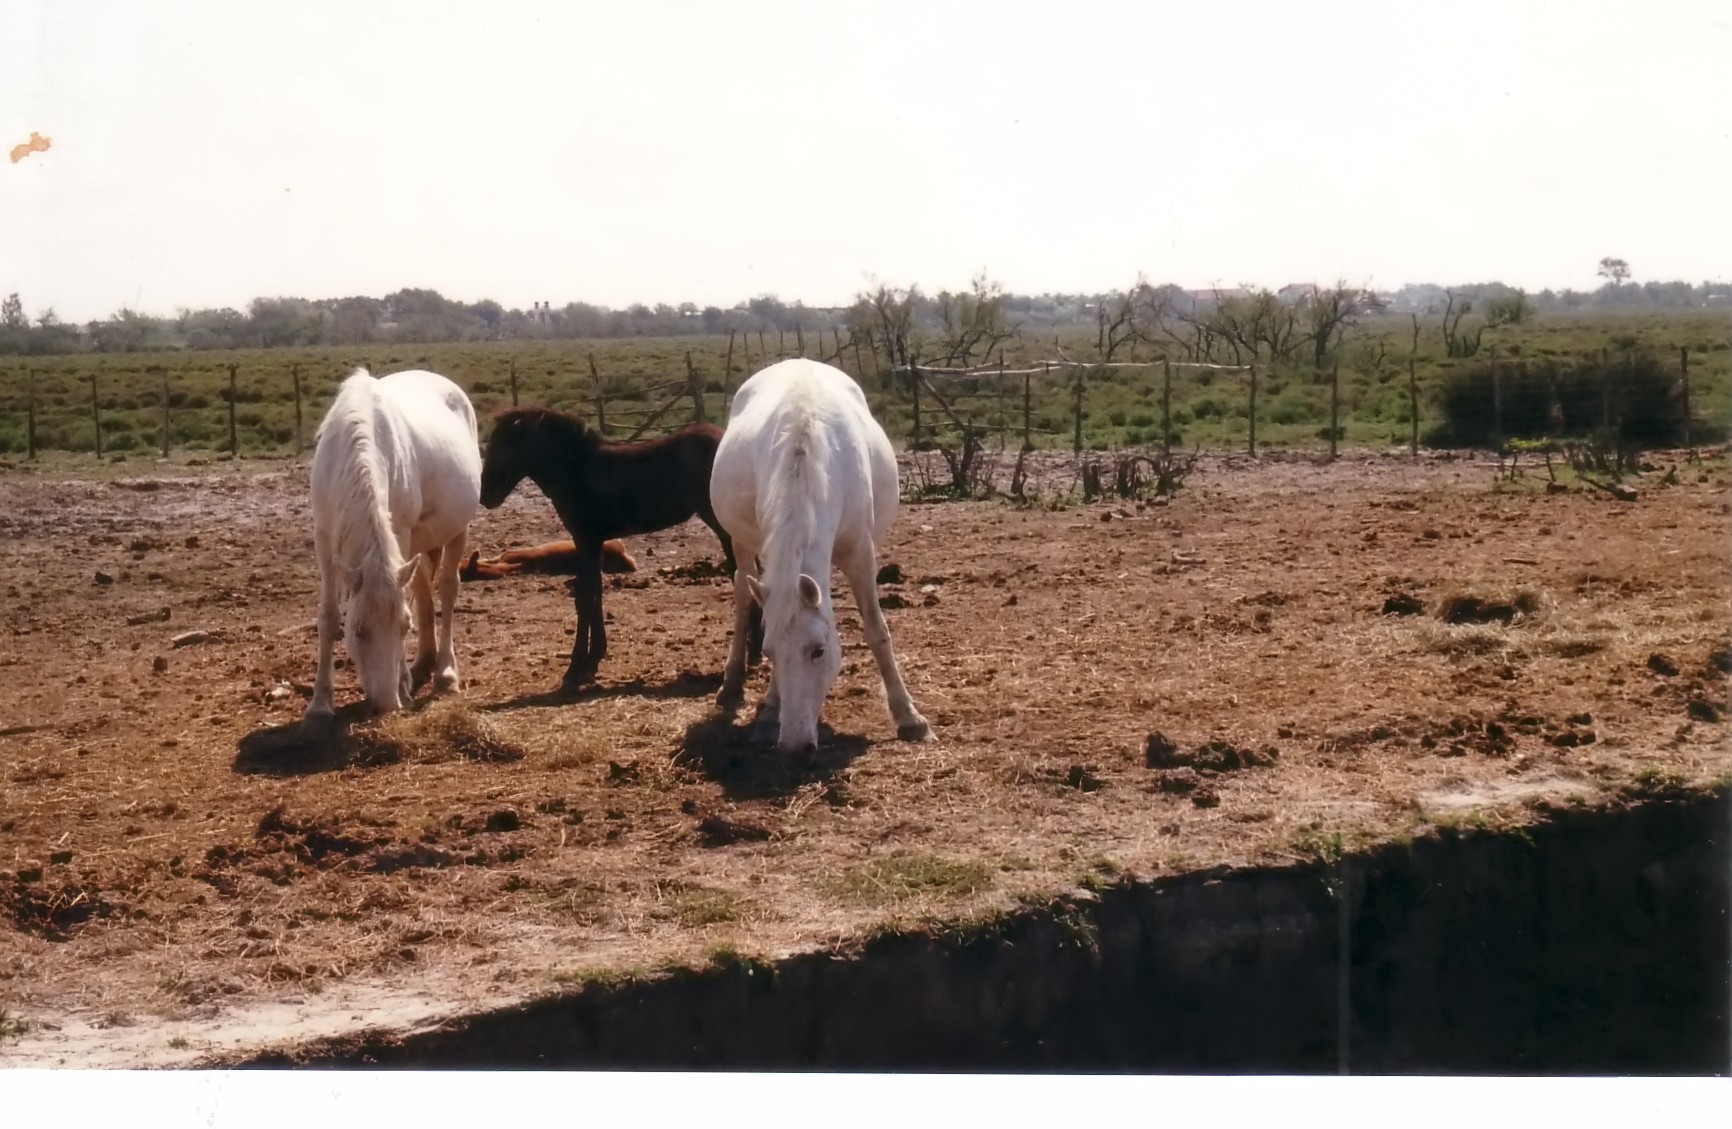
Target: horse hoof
(730,701)
(447,682)
(915,731)
(574,682)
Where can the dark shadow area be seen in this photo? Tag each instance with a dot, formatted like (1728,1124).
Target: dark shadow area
(686,684)
(296,749)
(744,760)
(1593,943)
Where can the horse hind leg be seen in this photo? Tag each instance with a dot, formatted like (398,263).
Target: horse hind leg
(421,596)
(746,614)
(445,678)
(589,645)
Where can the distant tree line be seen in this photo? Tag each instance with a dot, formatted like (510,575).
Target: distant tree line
(963,327)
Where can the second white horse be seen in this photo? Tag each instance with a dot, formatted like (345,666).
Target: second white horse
(806,478)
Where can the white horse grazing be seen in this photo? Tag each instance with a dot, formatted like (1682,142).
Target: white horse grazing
(805,478)
(396,479)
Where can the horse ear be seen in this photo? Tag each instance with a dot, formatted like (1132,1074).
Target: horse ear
(407,571)
(810,594)
(756,589)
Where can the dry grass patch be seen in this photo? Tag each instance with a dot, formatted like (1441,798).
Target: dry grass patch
(443,731)
(908,875)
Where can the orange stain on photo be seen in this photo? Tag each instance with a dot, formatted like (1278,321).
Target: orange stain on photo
(36,144)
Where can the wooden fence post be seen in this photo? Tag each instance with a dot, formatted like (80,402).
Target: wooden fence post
(800,339)
(1413,407)
(1003,417)
(600,404)
(914,381)
(234,443)
(95,415)
(859,364)
(1251,414)
(165,424)
(1027,404)
(1077,408)
(30,415)
(1496,404)
(514,382)
(1334,407)
(728,369)
(300,444)
(1684,369)
(1166,406)
(781,342)
(697,388)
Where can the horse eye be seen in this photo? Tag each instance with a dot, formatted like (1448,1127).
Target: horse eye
(817,651)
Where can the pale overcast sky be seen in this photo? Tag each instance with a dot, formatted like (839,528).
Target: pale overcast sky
(205,153)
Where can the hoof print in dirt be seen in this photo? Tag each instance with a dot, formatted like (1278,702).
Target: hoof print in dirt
(620,775)
(1206,798)
(1720,660)
(891,573)
(891,601)
(1662,665)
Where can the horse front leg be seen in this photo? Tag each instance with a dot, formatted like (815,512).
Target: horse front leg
(755,624)
(445,676)
(590,642)
(330,624)
(861,569)
(421,591)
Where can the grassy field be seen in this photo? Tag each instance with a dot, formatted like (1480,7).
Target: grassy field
(1120,407)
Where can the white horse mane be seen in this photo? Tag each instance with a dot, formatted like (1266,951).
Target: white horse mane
(791,503)
(361,525)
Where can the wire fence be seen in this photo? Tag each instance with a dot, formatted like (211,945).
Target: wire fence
(269,405)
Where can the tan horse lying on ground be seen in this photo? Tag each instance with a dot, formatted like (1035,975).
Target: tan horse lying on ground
(556,558)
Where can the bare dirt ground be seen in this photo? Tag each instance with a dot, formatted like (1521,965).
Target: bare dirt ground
(182,876)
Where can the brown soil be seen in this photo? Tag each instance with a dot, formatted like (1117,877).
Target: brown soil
(184,873)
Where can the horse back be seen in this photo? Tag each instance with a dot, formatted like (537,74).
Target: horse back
(642,487)
(860,478)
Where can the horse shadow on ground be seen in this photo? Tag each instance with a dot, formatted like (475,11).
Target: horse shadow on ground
(744,761)
(686,684)
(299,749)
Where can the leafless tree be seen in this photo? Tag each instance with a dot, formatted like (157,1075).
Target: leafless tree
(972,324)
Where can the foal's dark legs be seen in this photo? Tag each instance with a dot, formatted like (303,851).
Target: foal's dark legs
(590,643)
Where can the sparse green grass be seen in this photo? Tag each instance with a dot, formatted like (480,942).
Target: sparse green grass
(179,1043)
(1121,407)
(1312,842)
(902,876)
(698,906)
(599,979)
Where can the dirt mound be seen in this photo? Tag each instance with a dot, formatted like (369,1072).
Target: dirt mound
(1480,609)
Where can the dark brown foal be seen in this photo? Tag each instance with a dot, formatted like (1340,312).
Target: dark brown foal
(604,490)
